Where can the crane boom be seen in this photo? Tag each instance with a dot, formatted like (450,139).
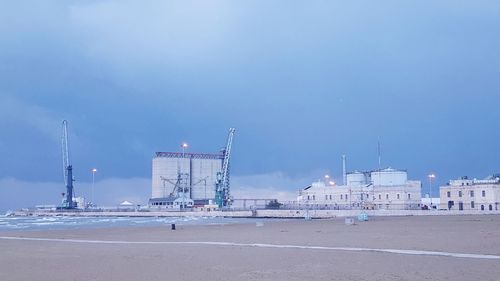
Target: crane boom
(65,151)
(67,168)
(222,194)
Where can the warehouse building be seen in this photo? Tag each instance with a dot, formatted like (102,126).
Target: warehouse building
(471,194)
(379,189)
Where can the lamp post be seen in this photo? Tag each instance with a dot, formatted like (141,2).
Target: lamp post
(184,146)
(431,177)
(94,170)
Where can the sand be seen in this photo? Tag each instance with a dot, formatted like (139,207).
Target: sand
(86,257)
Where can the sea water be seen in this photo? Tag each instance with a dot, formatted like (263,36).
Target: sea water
(67,222)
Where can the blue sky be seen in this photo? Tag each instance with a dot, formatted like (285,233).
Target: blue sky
(302,81)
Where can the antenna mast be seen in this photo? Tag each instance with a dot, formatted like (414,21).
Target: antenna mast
(344,173)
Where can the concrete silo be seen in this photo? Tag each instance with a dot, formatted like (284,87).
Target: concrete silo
(195,173)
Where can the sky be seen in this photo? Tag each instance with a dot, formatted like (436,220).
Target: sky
(303,82)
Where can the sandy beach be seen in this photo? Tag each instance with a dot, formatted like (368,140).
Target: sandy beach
(314,250)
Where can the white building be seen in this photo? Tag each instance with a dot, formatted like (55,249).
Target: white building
(471,194)
(379,189)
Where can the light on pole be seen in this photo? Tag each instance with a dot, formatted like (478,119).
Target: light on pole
(326,179)
(431,177)
(184,146)
(94,170)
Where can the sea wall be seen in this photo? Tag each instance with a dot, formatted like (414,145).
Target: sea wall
(262,213)
(138,214)
(354,213)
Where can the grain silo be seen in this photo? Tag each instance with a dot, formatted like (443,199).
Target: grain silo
(196,173)
(184,180)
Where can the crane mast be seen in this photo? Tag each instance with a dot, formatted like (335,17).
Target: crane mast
(222,193)
(65,151)
(67,168)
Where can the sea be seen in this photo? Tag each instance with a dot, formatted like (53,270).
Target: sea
(65,222)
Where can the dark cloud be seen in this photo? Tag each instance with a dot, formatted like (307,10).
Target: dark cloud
(303,83)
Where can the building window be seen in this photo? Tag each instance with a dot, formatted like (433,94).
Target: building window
(482,207)
(448,194)
(326,197)
(308,198)
(398,195)
(472,204)
(341,196)
(472,193)
(460,194)
(314,197)
(387,196)
(490,207)
(346,197)
(483,193)
(380,196)
(409,196)
(330,197)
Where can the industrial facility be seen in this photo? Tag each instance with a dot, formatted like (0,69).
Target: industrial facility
(378,189)
(182,180)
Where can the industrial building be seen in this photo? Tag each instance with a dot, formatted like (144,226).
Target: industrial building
(471,194)
(379,189)
(194,173)
(184,180)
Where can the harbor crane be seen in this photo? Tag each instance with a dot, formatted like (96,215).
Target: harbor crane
(67,168)
(222,187)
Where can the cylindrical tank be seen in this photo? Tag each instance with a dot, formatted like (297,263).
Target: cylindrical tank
(389,177)
(356,178)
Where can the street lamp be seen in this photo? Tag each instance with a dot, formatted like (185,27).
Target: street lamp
(184,146)
(94,170)
(327,179)
(431,177)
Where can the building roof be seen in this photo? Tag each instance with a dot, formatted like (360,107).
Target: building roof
(189,155)
(126,203)
(388,169)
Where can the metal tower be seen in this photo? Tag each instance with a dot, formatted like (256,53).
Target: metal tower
(67,168)
(222,192)
(344,173)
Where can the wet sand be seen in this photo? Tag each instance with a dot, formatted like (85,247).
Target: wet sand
(86,257)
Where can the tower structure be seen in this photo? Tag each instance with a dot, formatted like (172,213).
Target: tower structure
(67,167)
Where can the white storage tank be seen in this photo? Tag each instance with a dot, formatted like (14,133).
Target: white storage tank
(357,178)
(389,177)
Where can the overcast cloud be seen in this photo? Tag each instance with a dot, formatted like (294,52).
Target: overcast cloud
(303,82)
